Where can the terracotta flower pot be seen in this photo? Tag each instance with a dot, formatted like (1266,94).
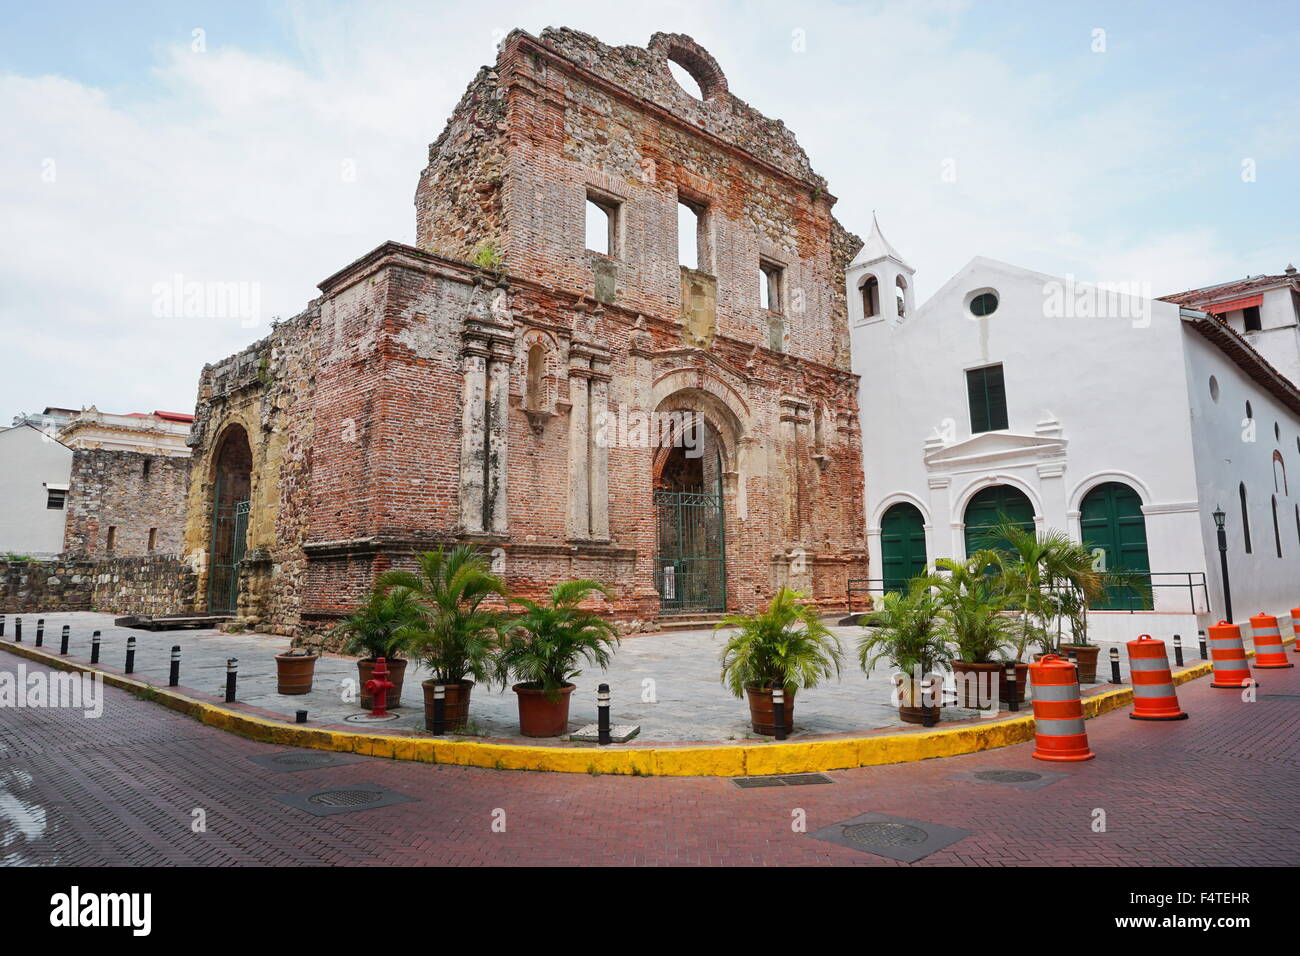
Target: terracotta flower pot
(762,716)
(1022,678)
(1085,658)
(396,672)
(294,673)
(540,717)
(976,681)
(911,709)
(455,704)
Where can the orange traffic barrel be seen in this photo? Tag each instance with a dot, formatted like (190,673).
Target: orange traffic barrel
(1058,712)
(1295,626)
(1228,656)
(1154,697)
(1268,642)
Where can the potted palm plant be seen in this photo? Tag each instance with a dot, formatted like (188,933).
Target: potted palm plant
(784,646)
(543,648)
(905,630)
(456,630)
(380,628)
(972,620)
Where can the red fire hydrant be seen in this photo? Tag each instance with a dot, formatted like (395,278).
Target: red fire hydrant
(378,687)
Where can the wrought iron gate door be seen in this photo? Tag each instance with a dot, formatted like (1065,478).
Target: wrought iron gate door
(229,531)
(691,554)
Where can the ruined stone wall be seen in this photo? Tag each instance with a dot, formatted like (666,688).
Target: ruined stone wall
(154,586)
(131,493)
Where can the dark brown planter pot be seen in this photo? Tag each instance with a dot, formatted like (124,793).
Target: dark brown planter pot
(1086,658)
(1022,678)
(396,672)
(762,717)
(455,704)
(540,717)
(971,682)
(294,673)
(910,711)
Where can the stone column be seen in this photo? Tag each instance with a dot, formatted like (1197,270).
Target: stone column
(579,446)
(473,465)
(598,482)
(498,417)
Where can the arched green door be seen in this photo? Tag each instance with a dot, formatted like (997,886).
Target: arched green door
(992,507)
(1111,520)
(902,545)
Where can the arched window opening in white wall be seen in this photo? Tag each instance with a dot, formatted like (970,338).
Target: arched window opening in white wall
(1214,389)
(900,294)
(1279,469)
(1277,531)
(870,297)
(1245,517)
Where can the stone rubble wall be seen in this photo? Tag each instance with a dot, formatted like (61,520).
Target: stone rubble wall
(154,586)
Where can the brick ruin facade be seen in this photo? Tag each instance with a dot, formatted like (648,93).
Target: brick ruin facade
(484,385)
(125,503)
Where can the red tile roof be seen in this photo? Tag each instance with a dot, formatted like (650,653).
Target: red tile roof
(1236,289)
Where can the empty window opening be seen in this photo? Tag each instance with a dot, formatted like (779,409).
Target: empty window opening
(112,538)
(692,236)
(870,298)
(602,226)
(770,282)
(145,469)
(686,80)
(1250,318)
(153,538)
(1277,531)
(1245,517)
(55,498)
(535,397)
(900,296)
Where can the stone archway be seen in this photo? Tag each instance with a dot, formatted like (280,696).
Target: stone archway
(690,515)
(232,478)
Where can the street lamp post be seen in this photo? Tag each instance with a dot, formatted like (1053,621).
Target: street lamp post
(1219,517)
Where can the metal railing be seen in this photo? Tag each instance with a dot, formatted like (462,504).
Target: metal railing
(1190,581)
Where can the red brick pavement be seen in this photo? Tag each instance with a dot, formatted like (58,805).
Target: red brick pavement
(1219,788)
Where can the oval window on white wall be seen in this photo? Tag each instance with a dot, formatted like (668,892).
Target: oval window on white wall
(1214,389)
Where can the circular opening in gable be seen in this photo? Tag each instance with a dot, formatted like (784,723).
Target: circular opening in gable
(687,80)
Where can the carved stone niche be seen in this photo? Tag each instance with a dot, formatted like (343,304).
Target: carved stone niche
(537,419)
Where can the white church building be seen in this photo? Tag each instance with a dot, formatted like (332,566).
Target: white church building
(1124,420)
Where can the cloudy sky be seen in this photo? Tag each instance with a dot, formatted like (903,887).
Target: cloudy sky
(1110,141)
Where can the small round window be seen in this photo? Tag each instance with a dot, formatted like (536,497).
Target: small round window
(1214,388)
(986,303)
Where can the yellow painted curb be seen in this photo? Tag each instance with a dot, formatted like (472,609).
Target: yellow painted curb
(704,760)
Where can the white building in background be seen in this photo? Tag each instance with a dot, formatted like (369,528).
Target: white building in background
(34,472)
(145,433)
(1123,420)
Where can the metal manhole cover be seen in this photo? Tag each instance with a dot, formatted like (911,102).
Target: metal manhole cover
(1008,776)
(885,834)
(302,760)
(345,798)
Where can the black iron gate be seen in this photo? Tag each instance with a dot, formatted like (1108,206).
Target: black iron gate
(229,531)
(691,554)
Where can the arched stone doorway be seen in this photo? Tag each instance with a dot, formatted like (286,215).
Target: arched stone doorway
(690,516)
(232,477)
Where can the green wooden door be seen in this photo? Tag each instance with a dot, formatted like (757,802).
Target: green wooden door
(902,545)
(1110,520)
(992,507)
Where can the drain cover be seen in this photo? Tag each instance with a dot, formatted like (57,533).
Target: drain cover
(301,760)
(331,800)
(290,760)
(885,834)
(786,780)
(345,798)
(1007,776)
(895,837)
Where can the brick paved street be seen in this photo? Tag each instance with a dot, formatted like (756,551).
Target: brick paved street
(1216,789)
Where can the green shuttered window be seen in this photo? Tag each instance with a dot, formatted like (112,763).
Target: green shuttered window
(988,399)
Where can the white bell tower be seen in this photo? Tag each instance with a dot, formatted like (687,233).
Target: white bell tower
(879,283)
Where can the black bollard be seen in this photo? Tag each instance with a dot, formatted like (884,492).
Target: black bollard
(63,640)
(2,625)
(778,712)
(300,716)
(18,629)
(1013,692)
(1114,666)
(130,654)
(175,677)
(439,709)
(602,715)
(232,676)
(1201,636)
(40,632)
(94,648)
(1178,651)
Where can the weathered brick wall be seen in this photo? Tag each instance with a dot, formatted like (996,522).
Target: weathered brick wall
(132,493)
(152,585)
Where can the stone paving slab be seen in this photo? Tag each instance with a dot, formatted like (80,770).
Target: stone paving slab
(666,683)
